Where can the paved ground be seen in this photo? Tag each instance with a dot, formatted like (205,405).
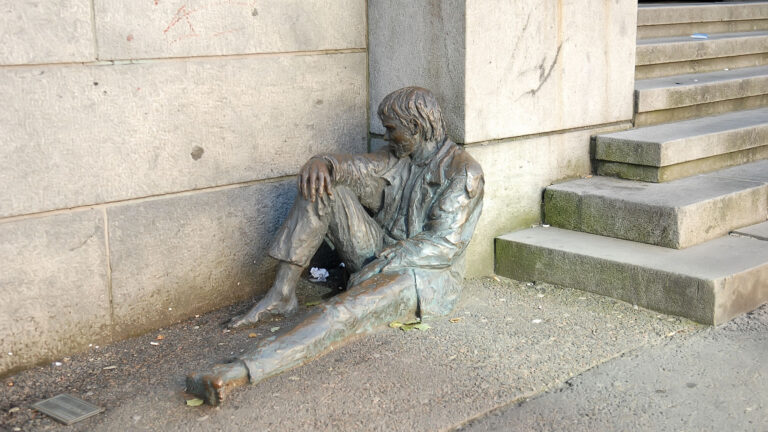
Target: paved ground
(716,380)
(513,342)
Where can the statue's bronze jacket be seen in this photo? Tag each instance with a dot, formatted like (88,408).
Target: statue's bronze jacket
(427,211)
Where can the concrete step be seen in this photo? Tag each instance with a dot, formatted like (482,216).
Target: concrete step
(680,19)
(675,150)
(709,283)
(759,231)
(676,214)
(687,29)
(683,54)
(679,97)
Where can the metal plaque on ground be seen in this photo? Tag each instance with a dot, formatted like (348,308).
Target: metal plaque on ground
(67,409)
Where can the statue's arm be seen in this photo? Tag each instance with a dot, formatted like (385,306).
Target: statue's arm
(359,171)
(352,168)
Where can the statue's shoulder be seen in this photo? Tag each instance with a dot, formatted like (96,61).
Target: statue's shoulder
(463,164)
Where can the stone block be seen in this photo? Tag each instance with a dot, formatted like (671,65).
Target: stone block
(516,173)
(54,293)
(673,143)
(698,66)
(155,29)
(686,48)
(676,214)
(33,32)
(534,67)
(700,110)
(78,135)
(507,69)
(675,150)
(710,27)
(694,89)
(179,256)
(709,283)
(658,14)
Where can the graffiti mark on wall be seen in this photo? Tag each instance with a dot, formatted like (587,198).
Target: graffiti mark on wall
(209,19)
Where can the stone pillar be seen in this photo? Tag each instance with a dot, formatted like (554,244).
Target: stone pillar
(524,85)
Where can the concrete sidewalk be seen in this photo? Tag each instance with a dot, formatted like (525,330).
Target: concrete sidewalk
(513,341)
(713,381)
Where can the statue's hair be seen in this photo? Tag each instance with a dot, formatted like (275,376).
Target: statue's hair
(417,109)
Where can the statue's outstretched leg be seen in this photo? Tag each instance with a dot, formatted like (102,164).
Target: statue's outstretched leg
(342,219)
(382,298)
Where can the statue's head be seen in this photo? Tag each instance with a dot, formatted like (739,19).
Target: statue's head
(411,117)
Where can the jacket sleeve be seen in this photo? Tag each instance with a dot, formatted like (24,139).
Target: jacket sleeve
(361,173)
(449,227)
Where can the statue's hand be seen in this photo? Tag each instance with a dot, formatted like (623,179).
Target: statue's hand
(388,260)
(369,270)
(315,179)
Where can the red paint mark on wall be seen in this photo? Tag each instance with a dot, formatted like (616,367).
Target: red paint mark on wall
(206,17)
(129,38)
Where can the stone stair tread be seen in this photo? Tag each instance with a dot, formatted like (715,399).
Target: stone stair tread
(711,282)
(685,48)
(676,214)
(677,13)
(672,143)
(677,193)
(758,231)
(698,88)
(754,172)
(698,79)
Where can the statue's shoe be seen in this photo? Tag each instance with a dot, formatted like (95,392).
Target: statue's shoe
(212,387)
(206,387)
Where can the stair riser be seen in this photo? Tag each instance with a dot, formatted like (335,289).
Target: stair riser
(686,29)
(665,226)
(657,290)
(699,66)
(667,173)
(700,49)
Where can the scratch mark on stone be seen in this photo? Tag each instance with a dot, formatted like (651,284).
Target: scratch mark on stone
(544,76)
(522,32)
(84,242)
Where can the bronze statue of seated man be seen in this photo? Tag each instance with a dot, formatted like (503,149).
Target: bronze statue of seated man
(400,219)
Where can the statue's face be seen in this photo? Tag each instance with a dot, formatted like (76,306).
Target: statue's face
(401,142)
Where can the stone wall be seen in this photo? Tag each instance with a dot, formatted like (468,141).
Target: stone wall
(525,83)
(147,154)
